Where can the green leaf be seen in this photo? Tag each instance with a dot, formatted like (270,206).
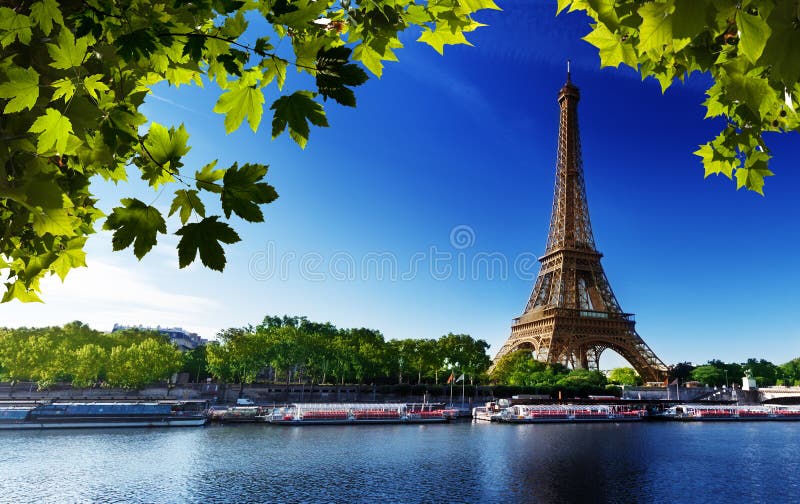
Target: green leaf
(136,223)
(56,221)
(688,19)
(167,146)
(208,176)
(54,131)
(275,69)
(781,49)
(64,88)
(71,256)
(370,58)
(205,237)
(606,13)
(137,44)
(753,35)
(297,110)
(13,27)
(186,201)
(68,53)
(476,5)
(655,33)
(755,93)
(612,50)
(22,89)
(17,290)
(243,99)
(94,86)
(305,11)
(713,162)
(194,47)
(441,36)
(242,192)
(45,13)
(753,173)
(335,73)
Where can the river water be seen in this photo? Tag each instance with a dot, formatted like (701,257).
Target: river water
(460,462)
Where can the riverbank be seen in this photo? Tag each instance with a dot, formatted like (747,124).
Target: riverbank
(217,393)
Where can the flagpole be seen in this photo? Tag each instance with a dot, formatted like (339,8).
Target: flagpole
(463,384)
(450,381)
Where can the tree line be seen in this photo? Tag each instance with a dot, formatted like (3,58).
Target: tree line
(293,349)
(280,349)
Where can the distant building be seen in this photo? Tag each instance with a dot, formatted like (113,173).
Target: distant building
(183,339)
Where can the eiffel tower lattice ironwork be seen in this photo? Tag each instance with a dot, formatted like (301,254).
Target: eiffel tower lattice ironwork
(572,315)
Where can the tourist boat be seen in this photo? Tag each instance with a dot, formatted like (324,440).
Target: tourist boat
(703,412)
(552,413)
(99,415)
(354,414)
(486,412)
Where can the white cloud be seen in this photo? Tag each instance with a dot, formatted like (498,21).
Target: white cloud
(104,294)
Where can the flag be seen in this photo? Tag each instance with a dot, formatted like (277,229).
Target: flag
(674,382)
(460,378)
(450,380)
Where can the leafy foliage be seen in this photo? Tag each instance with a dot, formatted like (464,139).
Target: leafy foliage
(624,376)
(74,75)
(749,48)
(78,354)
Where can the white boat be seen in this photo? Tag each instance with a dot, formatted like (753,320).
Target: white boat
(353,413)
(704,412)
(554,413)
(98,415)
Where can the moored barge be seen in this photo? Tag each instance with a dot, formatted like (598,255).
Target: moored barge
(99,415)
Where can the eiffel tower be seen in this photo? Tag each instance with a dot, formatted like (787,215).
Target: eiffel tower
(572,315)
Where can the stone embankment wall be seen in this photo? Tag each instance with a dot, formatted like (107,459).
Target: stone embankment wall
(219,393)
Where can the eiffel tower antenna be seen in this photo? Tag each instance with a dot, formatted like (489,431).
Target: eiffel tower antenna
(572,315)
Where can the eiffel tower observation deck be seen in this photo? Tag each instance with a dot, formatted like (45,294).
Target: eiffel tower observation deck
(572,315)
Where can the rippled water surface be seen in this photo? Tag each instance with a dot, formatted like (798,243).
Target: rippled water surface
(462,462)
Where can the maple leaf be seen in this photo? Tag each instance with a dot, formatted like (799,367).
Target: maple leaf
(205,237)
(135,223)
(243,99)
(335,73)
(54,131)
(297,110)
(68,53)
(186,201)
(242,193)
(22,88)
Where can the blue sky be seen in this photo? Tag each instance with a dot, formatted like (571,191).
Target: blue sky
(450,158)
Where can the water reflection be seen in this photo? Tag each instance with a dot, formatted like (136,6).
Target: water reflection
(424,463)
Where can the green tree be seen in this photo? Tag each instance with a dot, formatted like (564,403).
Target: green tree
(709,375)
(465,354)
(195,363)
(143,363)
(790,372)
(681,371)
(90,363)
(624,376)
(238,355)
(765,372)
(74,75)
(748,47)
